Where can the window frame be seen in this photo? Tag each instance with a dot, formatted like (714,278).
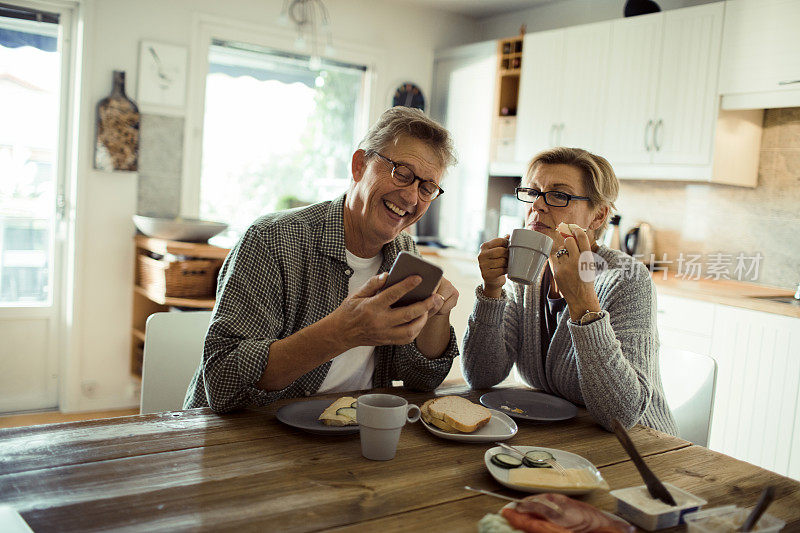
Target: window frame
(205,29)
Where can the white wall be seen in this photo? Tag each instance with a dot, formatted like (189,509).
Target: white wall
(565,13)
(100,314)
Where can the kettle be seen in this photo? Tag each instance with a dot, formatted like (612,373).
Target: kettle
(640,241)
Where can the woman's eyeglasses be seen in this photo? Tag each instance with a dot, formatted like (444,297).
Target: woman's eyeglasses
(551,198)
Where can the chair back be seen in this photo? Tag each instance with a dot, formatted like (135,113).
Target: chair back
(688,379)
(173,349)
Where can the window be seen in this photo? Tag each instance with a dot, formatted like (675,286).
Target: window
(30,73)
(276,133)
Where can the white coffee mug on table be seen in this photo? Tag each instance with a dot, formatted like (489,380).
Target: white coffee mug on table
(381,418)
(528,251)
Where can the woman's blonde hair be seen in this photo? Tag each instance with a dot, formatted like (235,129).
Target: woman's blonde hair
(599,180)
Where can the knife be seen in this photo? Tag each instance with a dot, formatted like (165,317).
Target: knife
(654,486)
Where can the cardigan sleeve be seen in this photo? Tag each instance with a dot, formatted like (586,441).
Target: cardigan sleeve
(617,354)
(493,339)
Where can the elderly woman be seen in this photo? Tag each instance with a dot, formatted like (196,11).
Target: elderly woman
(594,343)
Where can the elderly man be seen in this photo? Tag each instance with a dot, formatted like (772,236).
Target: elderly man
(300,309)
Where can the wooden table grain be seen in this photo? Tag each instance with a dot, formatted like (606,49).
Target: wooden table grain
(197,471)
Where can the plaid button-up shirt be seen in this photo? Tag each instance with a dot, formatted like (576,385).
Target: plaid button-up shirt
(288,271)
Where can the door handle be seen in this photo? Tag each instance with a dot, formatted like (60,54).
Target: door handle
(788,82)
(659,127)
(647,135)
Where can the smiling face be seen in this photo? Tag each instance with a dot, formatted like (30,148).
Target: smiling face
(378,209)
(545,218)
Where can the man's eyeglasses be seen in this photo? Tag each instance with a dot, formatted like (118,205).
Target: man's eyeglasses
(404,176)
(551,198)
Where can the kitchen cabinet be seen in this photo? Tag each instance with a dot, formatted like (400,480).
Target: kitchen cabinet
(562,92)
(685,324)
(662,99)
(758,376)
(504,119)
(760,64)
(756,415)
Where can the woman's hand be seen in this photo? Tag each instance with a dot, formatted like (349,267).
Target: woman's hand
(579,294)
(493,261)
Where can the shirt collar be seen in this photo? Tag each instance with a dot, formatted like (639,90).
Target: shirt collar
(333,244)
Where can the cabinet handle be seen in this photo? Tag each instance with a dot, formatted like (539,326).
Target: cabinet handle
(647,135)
(561,134)
(656,130)
(788,82)
(550,137)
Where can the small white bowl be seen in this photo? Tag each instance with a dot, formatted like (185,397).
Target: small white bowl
(636,505)
(713,520)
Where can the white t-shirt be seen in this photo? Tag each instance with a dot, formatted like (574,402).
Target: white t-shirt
(352,370)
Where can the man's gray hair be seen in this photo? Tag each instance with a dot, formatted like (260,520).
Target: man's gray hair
(401,121)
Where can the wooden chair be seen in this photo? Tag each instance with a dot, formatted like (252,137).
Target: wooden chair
(173,349)
(689,379)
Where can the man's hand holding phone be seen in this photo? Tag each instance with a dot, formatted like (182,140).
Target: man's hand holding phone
(393,308)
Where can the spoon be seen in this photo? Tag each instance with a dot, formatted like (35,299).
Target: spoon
(654,486)
(767,495)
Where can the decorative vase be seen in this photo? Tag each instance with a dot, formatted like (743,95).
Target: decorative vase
(117,143)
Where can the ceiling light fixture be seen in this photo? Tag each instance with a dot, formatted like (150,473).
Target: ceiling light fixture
(312,22)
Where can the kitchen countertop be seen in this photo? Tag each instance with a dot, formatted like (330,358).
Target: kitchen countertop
(727,292)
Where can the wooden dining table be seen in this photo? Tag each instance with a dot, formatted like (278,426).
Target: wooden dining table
(195,470)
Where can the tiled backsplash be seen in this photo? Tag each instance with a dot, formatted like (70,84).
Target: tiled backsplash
(160,164)
(707,219)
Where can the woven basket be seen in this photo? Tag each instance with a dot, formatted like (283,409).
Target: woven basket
(191,278)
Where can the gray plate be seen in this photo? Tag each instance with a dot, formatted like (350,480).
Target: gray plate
(535,405)
(304,415)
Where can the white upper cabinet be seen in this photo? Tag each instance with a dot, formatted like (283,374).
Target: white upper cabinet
(632,86)
(562,89)
(662,91)
(583,85)
(540,83)
(686,109)
(761,54)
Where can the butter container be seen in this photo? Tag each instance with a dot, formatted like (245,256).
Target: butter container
(637,506)
(729,519)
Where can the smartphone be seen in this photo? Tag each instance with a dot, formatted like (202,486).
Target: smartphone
(408,264)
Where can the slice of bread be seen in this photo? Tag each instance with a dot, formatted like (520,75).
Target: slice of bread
(330,418)
(459,413)
(441,424)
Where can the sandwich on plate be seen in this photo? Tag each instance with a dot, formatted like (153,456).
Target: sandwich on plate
(455,414)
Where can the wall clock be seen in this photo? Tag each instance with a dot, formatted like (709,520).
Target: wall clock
(162,75)
(409,95)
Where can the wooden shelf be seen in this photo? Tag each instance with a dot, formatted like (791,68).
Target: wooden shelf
(138,334)
(146,303)
(198,303)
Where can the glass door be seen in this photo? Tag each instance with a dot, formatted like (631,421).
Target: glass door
(31,95)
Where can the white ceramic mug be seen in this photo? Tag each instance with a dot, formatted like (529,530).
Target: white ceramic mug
(381,418)
(528,251)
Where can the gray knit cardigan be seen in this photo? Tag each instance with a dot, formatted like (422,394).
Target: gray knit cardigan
(610,366)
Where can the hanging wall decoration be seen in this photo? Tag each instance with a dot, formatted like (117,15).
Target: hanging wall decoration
(162,77)
(117,142)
